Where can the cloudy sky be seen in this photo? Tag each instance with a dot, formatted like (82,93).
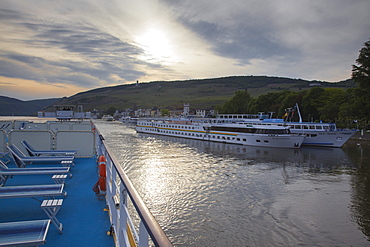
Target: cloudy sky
(57,48)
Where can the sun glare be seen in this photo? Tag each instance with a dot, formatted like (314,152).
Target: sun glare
(156,46)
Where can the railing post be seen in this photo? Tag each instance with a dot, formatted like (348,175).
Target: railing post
(121,225)
(143,235)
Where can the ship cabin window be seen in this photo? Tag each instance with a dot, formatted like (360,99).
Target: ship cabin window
(312,127)
(244,140)
(318,127)
(258,140)
(272,131)
(311,135)
(297,127)
(233,129)
(326,127)
(305,127)
(238,139)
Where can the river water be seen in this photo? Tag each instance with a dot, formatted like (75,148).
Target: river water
(213,194)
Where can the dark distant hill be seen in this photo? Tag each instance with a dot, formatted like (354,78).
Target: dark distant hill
(15,107)
(202,93)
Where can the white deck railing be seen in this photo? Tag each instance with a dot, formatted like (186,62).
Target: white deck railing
(132,223)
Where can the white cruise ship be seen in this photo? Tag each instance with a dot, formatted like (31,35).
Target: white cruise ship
(235,133)
(316,134)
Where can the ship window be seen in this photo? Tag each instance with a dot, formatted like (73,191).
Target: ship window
(326,127)
(312,127)
(238,139)
(266,141)
(297,127)
(244,140)
(258,140)
(318,127)
(305,127)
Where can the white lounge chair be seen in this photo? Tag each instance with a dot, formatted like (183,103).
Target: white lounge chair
(22,160)
(33,152)
(44,190)
(50,205)
(24,233)
(6,172)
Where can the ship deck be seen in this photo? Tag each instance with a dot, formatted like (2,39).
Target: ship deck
(85,222)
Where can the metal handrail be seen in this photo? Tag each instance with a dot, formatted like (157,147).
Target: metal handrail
(152,227)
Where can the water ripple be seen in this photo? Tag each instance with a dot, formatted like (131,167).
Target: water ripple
(214,194)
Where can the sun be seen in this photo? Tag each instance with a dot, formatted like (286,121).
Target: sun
(156,46)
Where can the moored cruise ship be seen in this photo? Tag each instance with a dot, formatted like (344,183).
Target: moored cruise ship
(235,133)
(316,134)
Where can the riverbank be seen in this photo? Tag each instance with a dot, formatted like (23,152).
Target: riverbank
(360,139)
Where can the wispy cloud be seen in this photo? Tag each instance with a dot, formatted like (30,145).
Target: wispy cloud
(88,44)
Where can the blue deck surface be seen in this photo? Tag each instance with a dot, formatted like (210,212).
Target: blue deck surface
(83,217)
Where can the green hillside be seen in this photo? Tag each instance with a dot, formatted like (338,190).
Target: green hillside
(205,93)
(201,94)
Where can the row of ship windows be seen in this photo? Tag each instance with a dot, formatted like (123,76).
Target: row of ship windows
(306,127)
(177,126)
(200,135)
(318,127)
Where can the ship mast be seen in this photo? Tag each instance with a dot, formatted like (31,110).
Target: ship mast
(299,113)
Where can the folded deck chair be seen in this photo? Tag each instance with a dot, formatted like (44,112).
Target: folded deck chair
(43,190)
(24,233)
(4,156)
(22,160)
(33,152)
(6,172)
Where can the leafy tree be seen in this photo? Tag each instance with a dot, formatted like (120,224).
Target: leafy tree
(165,112)
(240,103)
(311,102)
(361,73)
(289,101)
(330,109)
(269,102)
(359,98)
(111,110)
(356,104)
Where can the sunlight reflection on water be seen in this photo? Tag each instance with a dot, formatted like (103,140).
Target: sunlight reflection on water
(213,194)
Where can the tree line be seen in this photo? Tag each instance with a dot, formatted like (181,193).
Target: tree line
(347,108)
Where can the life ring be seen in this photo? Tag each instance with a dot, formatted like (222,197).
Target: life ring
(102,173)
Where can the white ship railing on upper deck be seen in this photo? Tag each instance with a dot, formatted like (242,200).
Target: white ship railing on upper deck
(120,192)
(244,116)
